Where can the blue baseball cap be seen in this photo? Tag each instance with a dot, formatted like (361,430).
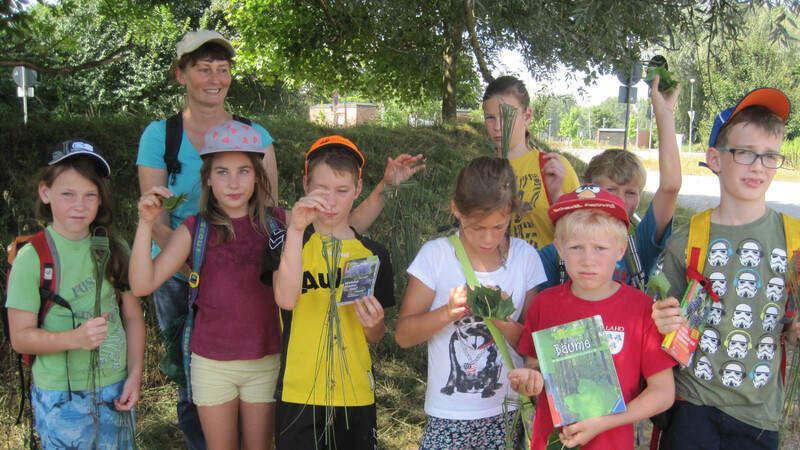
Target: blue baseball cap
(770,98)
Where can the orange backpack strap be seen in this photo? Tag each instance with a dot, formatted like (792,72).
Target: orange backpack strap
(697,249)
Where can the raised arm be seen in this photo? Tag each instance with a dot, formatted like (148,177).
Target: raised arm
(146,274)
(288,277)
(150,177)
(669,160)
(397,170)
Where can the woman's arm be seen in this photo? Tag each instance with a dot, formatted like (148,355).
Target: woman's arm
(133,321)
(416,323)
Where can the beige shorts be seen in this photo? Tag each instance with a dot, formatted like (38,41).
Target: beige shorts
(217,382)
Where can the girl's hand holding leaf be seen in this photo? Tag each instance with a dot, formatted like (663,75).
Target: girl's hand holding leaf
(151,203)
(457,306)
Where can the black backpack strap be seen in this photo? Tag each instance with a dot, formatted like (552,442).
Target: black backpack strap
(173,140)
(172,145)
(242,119)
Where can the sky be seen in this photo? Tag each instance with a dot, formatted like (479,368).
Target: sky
(606,86)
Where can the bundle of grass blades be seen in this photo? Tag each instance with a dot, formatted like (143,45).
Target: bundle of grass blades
(331,351)
(509,115)
(792,382)
(101,253)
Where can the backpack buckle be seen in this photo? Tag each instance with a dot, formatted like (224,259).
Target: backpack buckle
(194,279)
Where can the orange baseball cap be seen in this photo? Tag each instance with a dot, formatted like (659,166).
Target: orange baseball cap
(770,98)
(335,141)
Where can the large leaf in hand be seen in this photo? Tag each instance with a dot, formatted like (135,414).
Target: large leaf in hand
(489,303)
(665,82)
(594,399)
(658,285)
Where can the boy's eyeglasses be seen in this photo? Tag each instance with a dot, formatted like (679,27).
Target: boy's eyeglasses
(748,157)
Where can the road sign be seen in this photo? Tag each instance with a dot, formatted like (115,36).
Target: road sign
(23,76)
(630,75)
(335,99)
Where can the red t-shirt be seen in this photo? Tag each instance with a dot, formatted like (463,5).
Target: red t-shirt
(637,352)
(237,317)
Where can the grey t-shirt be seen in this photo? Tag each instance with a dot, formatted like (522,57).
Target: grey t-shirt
(736,367)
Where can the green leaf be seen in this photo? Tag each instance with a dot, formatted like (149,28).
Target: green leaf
(594,399)
(489,303)
(173,202)
(665,83)
(658,286)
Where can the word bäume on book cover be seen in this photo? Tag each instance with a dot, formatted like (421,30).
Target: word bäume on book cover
(579,375)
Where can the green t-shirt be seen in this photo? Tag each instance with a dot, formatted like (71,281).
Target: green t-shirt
(736,367)
(74,269)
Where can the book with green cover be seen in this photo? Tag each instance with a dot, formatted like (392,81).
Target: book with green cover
(579,375)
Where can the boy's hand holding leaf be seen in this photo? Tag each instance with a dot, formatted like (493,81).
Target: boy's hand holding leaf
(665,83)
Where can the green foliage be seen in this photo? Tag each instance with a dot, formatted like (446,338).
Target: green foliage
(665,82)
(569,123)
(489,303)
(594,398)
(658,285)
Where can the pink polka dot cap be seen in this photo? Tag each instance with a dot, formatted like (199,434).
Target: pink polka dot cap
(233,136)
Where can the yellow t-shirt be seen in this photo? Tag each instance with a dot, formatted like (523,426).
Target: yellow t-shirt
(532,223)
(307,362)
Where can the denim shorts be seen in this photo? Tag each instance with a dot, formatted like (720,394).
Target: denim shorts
(80,423)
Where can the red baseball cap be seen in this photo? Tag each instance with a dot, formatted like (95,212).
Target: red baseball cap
(337,142)
(589,196)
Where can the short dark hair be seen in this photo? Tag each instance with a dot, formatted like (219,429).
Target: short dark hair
(756,115)
(339,158)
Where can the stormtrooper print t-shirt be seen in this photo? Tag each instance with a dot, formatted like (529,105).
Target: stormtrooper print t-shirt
(467,377)
(736,367)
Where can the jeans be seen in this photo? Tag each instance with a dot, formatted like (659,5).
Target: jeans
(172,301)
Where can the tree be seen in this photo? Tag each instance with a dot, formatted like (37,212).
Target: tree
(409,49)
(569,124)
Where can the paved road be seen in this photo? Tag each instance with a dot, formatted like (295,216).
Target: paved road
(702,192)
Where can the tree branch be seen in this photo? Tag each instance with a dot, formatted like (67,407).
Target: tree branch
(473,40)
(117,55)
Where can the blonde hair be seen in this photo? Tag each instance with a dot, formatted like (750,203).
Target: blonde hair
(259,206)
(590,221)
(621,166)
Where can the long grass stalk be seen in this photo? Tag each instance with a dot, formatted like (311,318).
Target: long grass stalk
(792,382)
(100,254)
